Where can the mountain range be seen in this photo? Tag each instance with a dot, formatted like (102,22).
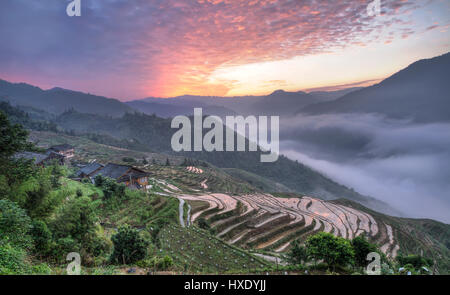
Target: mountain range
(418,93)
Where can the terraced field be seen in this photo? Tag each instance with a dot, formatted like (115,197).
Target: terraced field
(197,251)
(272,223)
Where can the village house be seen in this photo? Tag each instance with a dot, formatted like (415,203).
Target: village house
(89,170)
(132,177)
(41,159)
(66,150)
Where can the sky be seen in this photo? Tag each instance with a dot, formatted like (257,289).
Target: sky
(130,49)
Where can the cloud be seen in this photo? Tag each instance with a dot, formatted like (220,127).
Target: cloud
(170,47)
(401,163)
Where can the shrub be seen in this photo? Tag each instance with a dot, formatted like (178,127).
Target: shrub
(42,237)
(129,246)
(14,225)
(79,192)
(203,223)
(12,260)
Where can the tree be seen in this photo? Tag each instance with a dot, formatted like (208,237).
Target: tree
(76,226)
(144,161)
(297,254)
(13,139)
(332,250)
(129,246)
(362,248)
(167,162)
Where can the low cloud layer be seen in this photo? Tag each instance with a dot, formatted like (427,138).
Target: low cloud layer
(401,163)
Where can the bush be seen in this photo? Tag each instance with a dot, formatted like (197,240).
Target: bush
(14,225)
(203,223)
(79,192)
(75,229)
(42,237)
(163,263)
(129,246)
(12,260)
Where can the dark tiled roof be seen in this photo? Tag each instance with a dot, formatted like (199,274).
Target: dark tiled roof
(89,169)
(113,171)
(61,147)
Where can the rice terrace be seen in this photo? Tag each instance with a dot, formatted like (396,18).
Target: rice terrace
(199,142)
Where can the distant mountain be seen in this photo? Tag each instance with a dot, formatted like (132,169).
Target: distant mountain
(332,95)
(282,103)
(58,100)
(171,107)
(420,92)
(279,102)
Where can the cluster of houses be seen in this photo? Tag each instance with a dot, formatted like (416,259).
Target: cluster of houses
(132,177)
(59,153)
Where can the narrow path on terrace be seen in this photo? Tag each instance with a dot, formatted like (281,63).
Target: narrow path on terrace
(188,219)
(180,210)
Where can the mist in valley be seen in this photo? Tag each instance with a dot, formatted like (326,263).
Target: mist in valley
(403,163)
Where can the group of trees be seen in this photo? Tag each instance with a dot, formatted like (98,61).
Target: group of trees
(337,252)
(36,220)
(39,220)
(334,251)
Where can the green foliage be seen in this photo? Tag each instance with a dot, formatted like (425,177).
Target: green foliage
(362,248)
(417,261)
(13,260)
(129,246)
(74,228)
(332,250)
(13,139)
(42,237)
(298,254)
(111,189)
(203,223)
(157,263)
(14,225)
(79,192)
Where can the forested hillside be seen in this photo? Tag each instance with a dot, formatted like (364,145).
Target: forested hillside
(156,133)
